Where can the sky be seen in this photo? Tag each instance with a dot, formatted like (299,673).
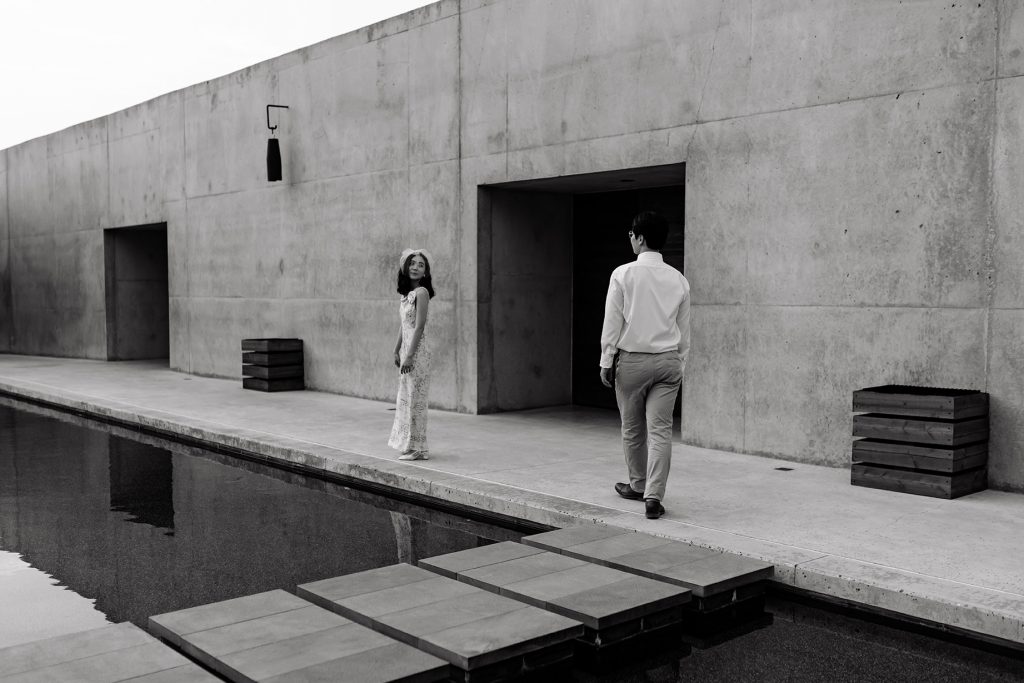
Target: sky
(67,61)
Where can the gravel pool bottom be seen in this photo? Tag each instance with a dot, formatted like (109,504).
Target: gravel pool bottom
(99,524)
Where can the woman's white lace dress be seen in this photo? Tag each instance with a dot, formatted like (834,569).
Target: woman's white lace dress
(409,432)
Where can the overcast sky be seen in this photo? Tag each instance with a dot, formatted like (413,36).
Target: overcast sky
(68,61)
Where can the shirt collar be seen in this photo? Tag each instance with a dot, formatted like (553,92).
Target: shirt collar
(650,257)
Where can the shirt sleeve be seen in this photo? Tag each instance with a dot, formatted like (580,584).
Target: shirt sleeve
(683,322)
(613,321)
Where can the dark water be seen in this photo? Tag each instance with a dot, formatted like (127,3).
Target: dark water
(100,523)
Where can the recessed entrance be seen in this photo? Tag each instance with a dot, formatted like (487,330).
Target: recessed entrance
(135,260)
(546,249)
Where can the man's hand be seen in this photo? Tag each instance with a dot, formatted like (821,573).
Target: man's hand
(606,377)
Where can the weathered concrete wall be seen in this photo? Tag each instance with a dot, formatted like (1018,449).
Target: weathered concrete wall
(5,255)
(528,299)
(852,218)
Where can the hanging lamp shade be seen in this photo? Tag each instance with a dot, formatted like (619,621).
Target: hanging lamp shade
(273,159)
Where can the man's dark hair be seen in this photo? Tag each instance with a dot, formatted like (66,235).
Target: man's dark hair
(653,227)
(405,284)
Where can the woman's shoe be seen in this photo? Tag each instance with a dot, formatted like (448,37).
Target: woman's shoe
(414,455)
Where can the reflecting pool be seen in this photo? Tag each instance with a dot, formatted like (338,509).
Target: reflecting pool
(103,524)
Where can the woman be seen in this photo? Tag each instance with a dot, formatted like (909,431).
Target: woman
(412,356)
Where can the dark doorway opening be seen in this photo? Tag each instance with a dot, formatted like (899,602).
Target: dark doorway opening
(546,249)
(136,292)
(600,228)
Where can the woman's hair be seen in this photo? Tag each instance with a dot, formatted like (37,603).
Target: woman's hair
(405,284)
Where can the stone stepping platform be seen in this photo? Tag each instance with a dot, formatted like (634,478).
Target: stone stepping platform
(485,636)
(717,580)
(275,636)
(119,652)
(612,605)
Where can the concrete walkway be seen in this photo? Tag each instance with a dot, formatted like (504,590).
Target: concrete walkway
(958,563)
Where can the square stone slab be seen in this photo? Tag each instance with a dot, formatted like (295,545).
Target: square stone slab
(460,623)
(520,569)
(705,572)
(713,575)
(452,564)
(361,583)
(573,535)
(111,653)
(276,636)
(618,602)
(596,595)
(623,544)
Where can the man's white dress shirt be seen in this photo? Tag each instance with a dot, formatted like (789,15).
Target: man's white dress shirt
(647,309)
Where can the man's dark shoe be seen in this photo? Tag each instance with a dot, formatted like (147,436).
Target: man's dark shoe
(654,508)
(626,491)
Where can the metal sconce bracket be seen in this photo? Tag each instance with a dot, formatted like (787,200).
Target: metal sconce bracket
(276,106)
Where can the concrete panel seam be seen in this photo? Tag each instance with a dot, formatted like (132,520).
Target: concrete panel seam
(460,377)
(749,115)
(989,271)
(852,306)
(9,293)
(325,178)
(707,77)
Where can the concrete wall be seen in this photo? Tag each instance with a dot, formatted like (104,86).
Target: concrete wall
(5,264)
(525,301)
(852,214)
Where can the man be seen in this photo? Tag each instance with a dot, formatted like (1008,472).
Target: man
(646,335)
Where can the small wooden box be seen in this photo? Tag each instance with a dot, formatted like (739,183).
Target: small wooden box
(934,484)
(272,364)
(943,404)
(931,442)
(291,384)
(919,457)
(921,430)
(272,345)
(272,371)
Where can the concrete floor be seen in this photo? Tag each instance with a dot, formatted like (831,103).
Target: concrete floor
(956,562)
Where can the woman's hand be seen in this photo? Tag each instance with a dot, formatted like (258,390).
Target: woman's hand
(405,366)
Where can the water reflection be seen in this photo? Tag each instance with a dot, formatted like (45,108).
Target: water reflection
(142,483)
(141,526)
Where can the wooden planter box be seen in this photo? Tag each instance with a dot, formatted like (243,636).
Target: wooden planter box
(272,364)
(926,441)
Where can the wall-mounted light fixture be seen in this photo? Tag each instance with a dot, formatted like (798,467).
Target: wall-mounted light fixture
(273,148)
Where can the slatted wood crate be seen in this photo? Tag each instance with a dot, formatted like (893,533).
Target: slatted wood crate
(272,364)
(920,440)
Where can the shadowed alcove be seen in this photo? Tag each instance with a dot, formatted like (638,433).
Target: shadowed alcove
(546,249)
